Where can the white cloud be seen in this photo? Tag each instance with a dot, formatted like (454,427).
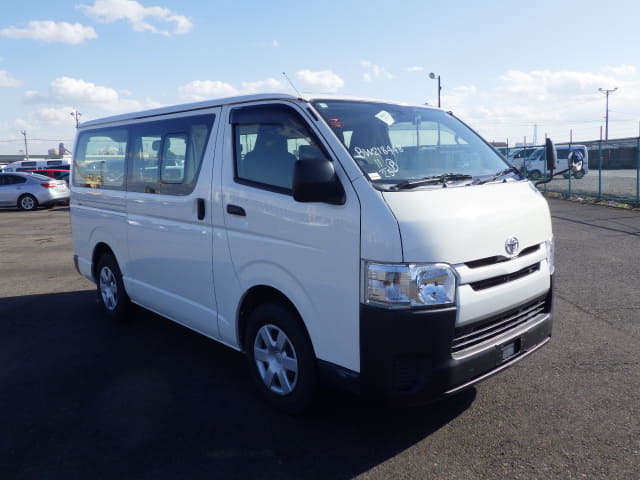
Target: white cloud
(545,84)
(266,85)
(52,116)
(266,44)
(415,69)
(374,71)
(142,19)
(7,80)
(199,90)
(203,89)
(48,31)
(323,81)
(621,70)
(551,102)
(73,91)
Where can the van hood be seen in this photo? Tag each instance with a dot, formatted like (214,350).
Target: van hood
(461,224)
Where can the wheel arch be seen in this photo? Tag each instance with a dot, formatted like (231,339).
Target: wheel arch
(98,251)
(259,295)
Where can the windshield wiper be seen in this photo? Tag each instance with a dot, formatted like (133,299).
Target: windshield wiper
(433,180)
(493,178)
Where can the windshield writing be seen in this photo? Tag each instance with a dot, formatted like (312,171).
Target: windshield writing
(394,144)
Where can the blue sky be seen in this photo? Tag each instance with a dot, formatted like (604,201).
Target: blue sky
(505,66)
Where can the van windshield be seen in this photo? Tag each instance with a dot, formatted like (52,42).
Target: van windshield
(398,145)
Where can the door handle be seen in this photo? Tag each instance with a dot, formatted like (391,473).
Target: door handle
(200,208)
(236,210)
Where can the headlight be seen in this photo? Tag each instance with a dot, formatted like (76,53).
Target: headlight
(550,255)
(408,285)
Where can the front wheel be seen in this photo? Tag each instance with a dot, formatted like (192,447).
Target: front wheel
(111,290)
(280,358)
(579,174)
(27,202)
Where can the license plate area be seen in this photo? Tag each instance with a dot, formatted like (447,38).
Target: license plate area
(509,350)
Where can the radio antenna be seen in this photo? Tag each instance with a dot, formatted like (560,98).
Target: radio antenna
(291,83)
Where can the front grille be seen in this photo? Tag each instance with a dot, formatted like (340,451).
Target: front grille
(499,280)
(471,335)
(483,262)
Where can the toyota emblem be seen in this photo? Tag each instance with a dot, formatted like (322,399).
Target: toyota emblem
(512,245)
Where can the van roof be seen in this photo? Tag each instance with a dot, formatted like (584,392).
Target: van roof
(217,102)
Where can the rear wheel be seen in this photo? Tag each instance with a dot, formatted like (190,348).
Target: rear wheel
(27,202)
(281,358)
(111,290)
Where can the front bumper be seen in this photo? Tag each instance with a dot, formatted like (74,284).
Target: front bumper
(409,358)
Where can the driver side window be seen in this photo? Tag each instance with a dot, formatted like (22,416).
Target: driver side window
(268,140)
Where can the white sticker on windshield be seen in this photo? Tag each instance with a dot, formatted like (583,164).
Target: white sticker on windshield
(374,176)
(385,117)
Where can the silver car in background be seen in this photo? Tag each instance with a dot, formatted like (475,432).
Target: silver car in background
(27,191)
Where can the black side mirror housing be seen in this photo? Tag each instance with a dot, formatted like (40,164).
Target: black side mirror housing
(552,155)
(315,180)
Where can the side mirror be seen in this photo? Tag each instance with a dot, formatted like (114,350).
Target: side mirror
(315,180)
(552,155)
(575,161)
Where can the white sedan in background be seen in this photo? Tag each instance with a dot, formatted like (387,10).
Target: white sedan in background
(27,191)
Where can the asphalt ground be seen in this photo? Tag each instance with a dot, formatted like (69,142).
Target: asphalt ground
(608,184)
(81,397)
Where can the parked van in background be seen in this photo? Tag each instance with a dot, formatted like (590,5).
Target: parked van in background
(384,247)
(534,164)
(517,156)
(28,165)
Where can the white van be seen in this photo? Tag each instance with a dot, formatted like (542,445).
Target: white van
(383,247)
(28,165)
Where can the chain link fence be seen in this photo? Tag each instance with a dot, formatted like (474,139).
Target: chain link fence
(612,173)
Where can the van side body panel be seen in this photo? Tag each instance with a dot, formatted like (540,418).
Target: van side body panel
(310,252)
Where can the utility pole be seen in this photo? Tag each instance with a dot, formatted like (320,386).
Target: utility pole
(606,116)
(26,150)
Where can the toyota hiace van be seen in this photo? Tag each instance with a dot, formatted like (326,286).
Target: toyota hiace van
(384,247)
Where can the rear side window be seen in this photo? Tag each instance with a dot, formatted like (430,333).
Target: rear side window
(11,179)
(161,156)
(99,159)
(166,155)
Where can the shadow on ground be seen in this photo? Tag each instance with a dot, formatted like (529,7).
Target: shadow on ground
(82,397)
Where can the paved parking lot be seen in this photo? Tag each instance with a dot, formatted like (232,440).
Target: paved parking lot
(621,184)
(81,397)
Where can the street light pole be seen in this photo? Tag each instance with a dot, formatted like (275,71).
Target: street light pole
(606,116)
(76,114)
(26,149)
(433,76)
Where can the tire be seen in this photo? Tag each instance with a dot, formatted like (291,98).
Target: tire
(579,174)
(280,357)
(534,175)
(27,202)
(111,290)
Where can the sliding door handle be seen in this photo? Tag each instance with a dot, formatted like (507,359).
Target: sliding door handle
(236,210)
(201,208)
